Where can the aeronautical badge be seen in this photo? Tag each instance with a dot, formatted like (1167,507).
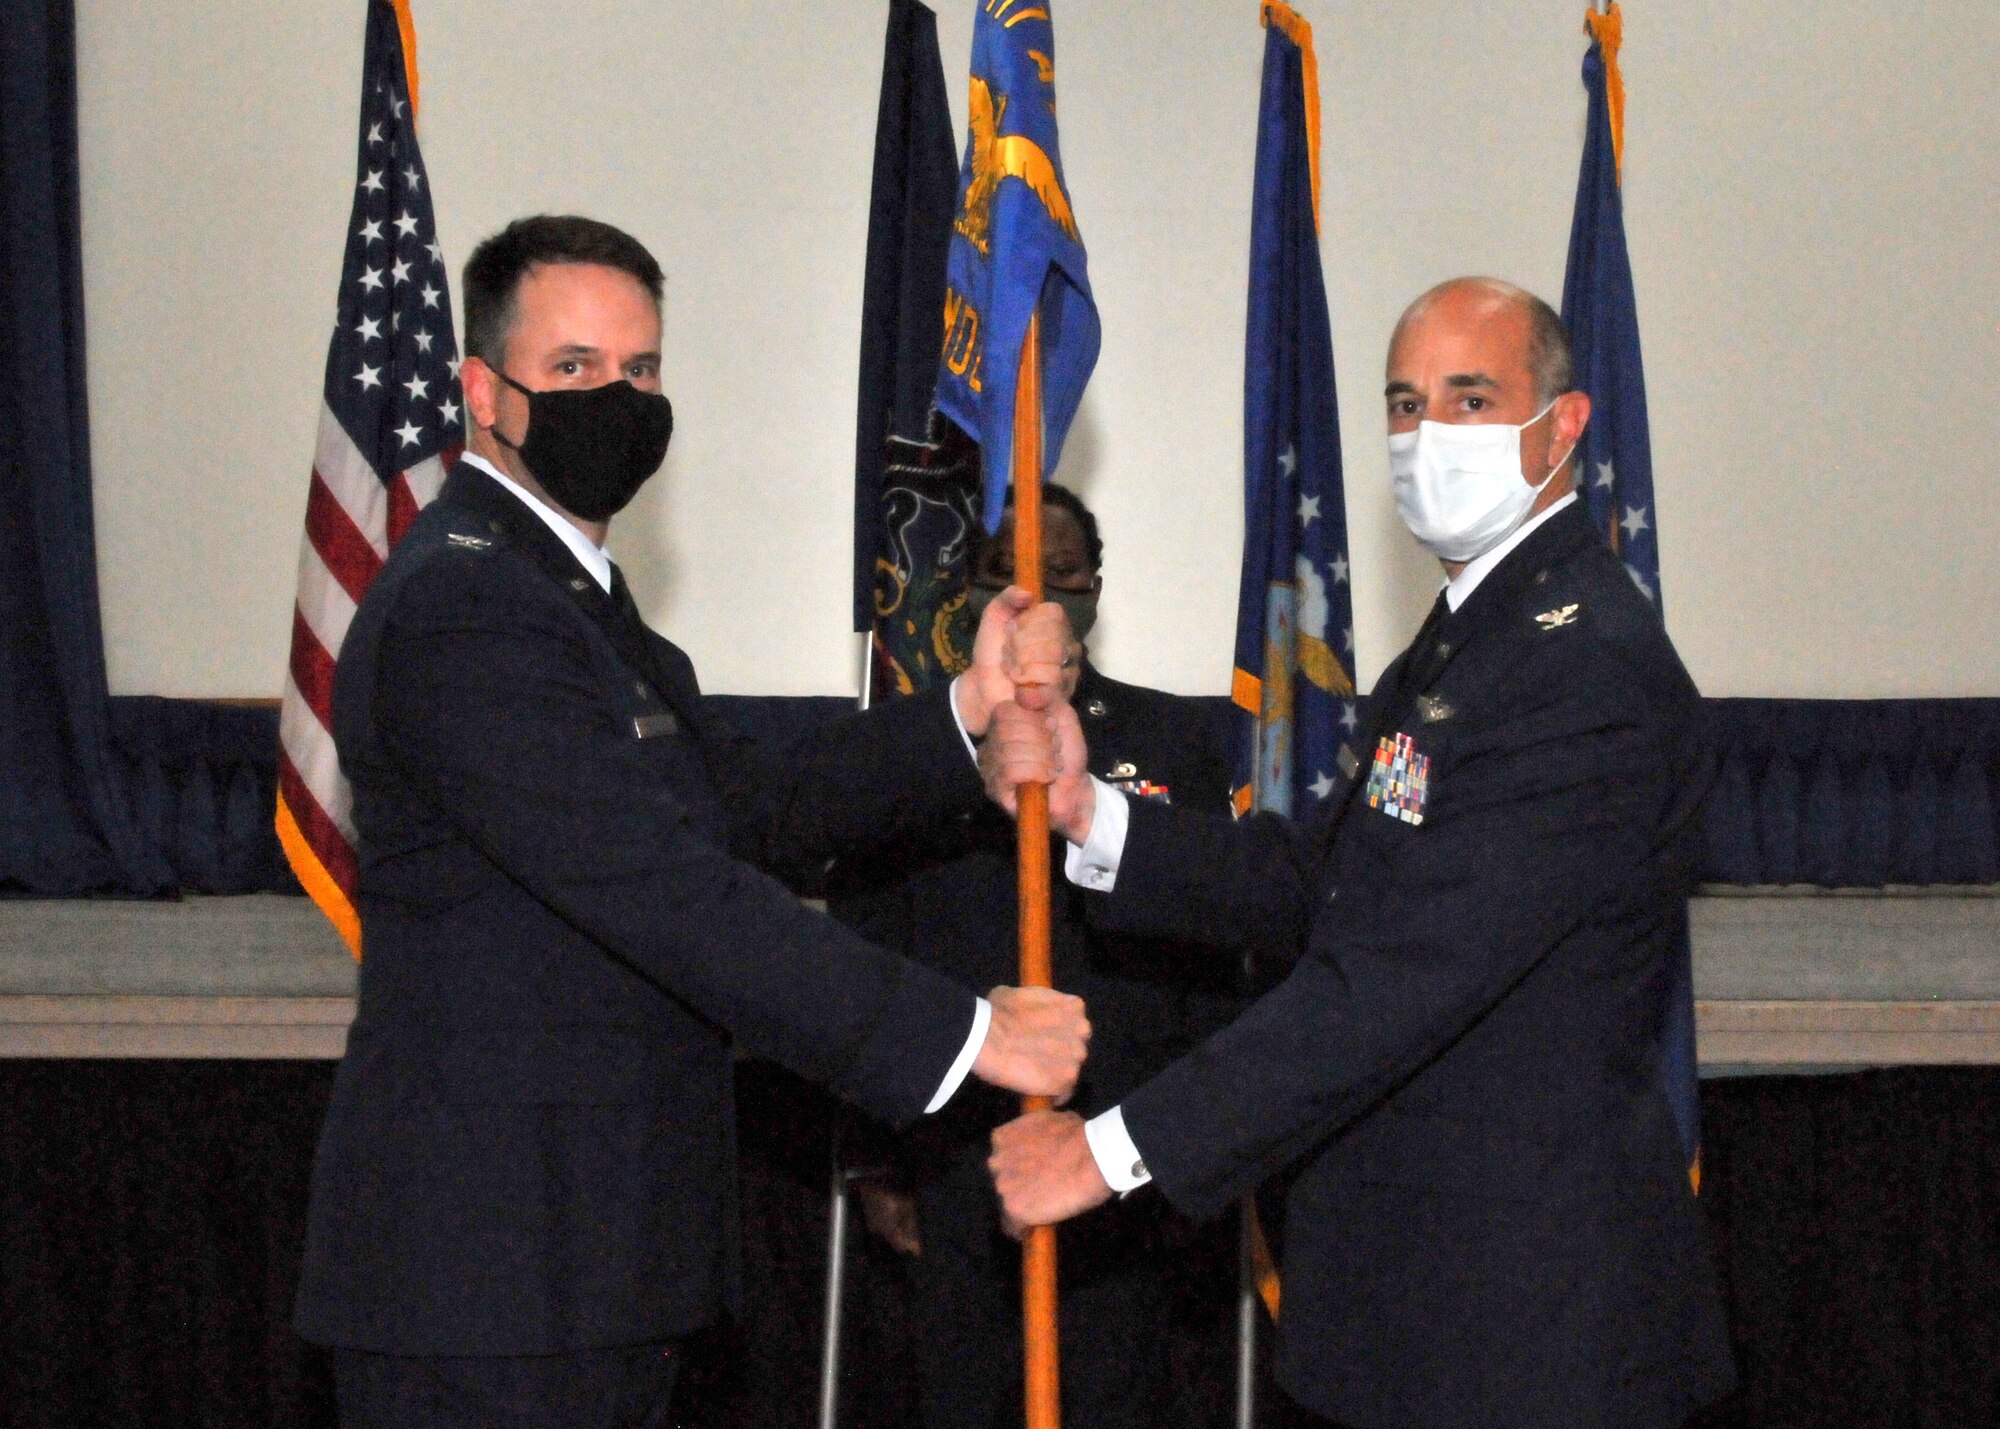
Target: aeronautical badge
(470,543)
(1559,617)
(1399,779)
(1124,777)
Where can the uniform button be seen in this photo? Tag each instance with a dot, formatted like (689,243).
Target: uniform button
(1097,709)
(495,527)
(1444,647)
(641,689)
(1333,895)
(1541,577)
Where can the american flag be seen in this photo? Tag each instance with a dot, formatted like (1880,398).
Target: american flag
(390,424)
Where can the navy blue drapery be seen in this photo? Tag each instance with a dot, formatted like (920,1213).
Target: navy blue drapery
(1855,793)
(1840,793)
(64,827)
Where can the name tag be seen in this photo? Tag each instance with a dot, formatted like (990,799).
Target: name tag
(655,726)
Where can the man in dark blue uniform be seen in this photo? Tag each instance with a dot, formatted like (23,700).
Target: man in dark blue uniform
(1489,1220)
(524,1191)
(949,898)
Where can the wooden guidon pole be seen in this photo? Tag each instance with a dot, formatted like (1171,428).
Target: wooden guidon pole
(1038,1251)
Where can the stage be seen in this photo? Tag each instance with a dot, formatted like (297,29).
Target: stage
(164,1068)
(1786,979)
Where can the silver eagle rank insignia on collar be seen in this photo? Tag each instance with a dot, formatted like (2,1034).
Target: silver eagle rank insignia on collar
(1559,617)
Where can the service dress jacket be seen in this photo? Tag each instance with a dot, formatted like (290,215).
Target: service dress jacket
(530,1144)
(1489,1218)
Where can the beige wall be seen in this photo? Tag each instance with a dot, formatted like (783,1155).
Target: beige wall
(1810,196)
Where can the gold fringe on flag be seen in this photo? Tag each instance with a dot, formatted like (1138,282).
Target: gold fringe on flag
(1608,29)
(320,885)
(407,27)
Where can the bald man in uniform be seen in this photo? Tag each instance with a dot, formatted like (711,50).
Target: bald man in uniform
(1489,1218)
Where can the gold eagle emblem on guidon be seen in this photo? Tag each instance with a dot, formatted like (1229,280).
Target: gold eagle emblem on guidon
(997,156)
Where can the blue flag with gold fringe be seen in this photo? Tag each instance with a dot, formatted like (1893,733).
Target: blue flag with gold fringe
(1014,249)
(1598,307)
(1616,468)
(1294,675)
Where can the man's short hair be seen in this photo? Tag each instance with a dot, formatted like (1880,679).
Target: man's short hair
(1551,357)
(494,272)
(1062,499)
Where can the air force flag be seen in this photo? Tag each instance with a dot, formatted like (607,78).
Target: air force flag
(1617,470)
(1014,248)
(1294,677)
(1603,319)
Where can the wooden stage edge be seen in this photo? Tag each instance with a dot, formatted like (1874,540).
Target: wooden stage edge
(1785,979)
(1760,1036)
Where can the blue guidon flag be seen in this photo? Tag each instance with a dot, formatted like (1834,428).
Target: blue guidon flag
(1294,673)
(1617,462)
(1014,249)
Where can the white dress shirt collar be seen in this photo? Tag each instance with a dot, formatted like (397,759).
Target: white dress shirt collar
(1458,590)
(595,558)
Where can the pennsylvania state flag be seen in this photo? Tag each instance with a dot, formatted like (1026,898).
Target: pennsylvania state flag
(1294,675)
(1014,248)
(1616,473)
(916,475)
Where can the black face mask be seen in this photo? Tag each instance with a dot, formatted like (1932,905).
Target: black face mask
(1079,605)
(592,448)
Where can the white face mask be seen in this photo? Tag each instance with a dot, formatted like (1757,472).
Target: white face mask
(1460,489)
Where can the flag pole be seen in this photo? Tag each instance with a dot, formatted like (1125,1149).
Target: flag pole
(1038,1250)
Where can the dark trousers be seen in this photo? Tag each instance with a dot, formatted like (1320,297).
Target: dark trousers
(629,1387)
(966,1310)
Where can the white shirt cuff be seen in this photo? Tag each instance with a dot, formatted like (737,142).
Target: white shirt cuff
(959,720)
(982,1018)
(1118,1160)
(1093,864)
